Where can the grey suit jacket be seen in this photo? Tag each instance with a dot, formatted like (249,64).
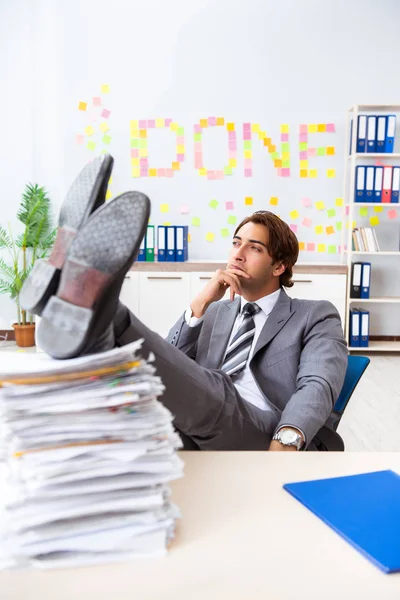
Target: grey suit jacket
(299,361)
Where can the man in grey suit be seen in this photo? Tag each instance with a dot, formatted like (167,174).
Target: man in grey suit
(259,371)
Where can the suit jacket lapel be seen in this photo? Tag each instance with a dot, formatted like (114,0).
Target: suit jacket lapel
(224,321)
(279,315)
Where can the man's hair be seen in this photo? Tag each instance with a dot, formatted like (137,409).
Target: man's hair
(282,243)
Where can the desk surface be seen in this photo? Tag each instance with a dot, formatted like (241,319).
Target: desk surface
(233,540)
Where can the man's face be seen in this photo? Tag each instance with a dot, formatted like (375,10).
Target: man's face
(249,254)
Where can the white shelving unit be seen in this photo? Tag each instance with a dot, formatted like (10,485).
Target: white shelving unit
(349,255)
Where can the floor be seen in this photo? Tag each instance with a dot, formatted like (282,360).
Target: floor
(372,418)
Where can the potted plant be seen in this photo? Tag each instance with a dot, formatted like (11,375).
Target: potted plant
(35,242)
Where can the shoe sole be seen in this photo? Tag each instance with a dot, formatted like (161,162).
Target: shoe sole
(85,195)
(92,276)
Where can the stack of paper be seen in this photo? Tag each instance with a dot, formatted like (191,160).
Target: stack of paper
(89,451)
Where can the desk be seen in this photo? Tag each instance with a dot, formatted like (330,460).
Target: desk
(234,540)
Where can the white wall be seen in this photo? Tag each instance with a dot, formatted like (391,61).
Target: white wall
(263,62)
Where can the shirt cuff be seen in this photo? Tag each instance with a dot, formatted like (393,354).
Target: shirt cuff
(191,321)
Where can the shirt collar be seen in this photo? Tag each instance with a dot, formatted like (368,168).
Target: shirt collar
(266,303)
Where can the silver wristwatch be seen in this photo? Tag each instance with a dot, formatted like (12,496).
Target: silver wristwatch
(289,437)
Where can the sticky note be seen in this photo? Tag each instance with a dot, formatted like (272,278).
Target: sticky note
(278,163)
(230,126)
(330,150)
(213,204)
(363,211)
(108,194)
(248,173)
(392,214)
(310,247)
(160,123)
(285,172)
(176,166)
(136,172)
(228,171)
(294,214)
(338,225)
(312,129)
(331,212)
(293,227)
(231,220)
(303,146)
(202,172)
(273,201)
(153,173)
(229,205)
(164,207)
(331,249)
(374,221)
(104,127)
(319,229)
(306,202)
(302,246)
(255,127)
(89,130)
(232,162)
(321,127)
(106,139)
(307,222)
(339,201)
(320,205)
(224,233)
(321,248)
(285,128)
(303,173)
(378,209)
(321,151)
(330,229)
(105,113)
(184,210)
(248,201)
(105,88)
(82,106)
(80,139)
(196,222)
(330,127)
(210,237)
(91,145)
(331,173)
(312,173)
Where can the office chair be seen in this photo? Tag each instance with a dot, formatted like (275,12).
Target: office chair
(328,437)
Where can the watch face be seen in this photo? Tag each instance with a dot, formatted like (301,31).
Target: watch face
(289,436)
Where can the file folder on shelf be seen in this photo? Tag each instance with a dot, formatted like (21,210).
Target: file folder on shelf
(363,509)
(369,184)
(364,328)
(395,185)
(365,280)
(171,257)
(371,133)
(362,133)
(378,184)
(360,184)
(354,328)
(181,243)
(390,133)
(150,243)
(355,288)
(142,250)
(161,243)
(387,184)
(381,124)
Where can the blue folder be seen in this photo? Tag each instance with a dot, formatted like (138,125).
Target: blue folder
(363,509)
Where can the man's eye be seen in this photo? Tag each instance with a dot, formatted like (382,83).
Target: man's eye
(256,248)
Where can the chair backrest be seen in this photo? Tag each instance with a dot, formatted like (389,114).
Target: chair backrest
(355,368)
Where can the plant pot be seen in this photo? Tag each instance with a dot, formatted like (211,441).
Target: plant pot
(24,334)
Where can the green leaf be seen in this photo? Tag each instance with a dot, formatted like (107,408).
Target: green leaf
(5,241)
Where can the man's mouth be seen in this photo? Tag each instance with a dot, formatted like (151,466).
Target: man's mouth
(236,267)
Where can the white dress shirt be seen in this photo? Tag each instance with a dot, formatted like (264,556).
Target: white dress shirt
(245,382)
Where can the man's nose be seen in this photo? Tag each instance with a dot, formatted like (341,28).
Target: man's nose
(239,254)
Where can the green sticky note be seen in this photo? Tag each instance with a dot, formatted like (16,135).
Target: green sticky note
(135,143)
(228,170)
(197,137)
(274,155)
(196,222)
(363,211)
(213,204)
(338,225)
(180,131)
(91,145)
(142,143)
(285,147)
(106,139)
(286,164)
(225,233)
(303,145)
(331,212)
(247,145)
(231,220)
(321,151)
(331,249)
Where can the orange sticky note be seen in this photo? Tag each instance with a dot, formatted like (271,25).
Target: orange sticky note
(321,127)
(273,201)
(220,121)
(203,122)
(303,173)
(330,230)
(176,166)
(230,126)
(278,163)
(189,237)
(82,106)
(330,150)
(143,133)
(248,201)
(302,246)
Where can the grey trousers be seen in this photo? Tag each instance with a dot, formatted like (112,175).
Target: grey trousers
(209,413)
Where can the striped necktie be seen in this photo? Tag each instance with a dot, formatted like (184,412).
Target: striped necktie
(239,348)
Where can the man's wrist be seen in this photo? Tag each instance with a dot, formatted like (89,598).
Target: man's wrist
(198,308)
(288,436)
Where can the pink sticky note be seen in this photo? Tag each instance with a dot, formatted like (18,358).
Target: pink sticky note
(151,123)
(246,126)
(161,173)
(211,175)
(248,173)
(306,202)
(247,135)
(330,128)
(248,163)
(198,164)
(220,174)
(142,124)
(170,172)
(198,155)
(312,151)
(303,137)
(229,206)
(180,157)
(232,146)
(232,135)
(144,162)
(198,128)
(80,139)
(198,147)
(105,113)
(392,213)
(284,137)
(303,129)
(310,247)
(144,172)
(167,122)
(285,172)
(134,153)
(307,222)
(180,139)
(96,101)
(293,227)
(347,210)
(303,155)
(184,210)
(212,121)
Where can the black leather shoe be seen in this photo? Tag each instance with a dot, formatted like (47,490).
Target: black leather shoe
(78,316)
(86,194)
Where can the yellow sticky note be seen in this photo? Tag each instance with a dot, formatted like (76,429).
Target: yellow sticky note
(312,173)
(134,133)
(312,129)
(285,128)
(104,127)
(330,230)
(160,122)
(374,221)
(339,201)
(189,237)
(89,130)
(176,166)
(285,155)
(230,126)
(262,135)
(248,154)
(378,209)
(143,152)
(321,248)
(303,173)
(294,214)
(220,121)
(167,223)
(321,127)
(320,205)
(134,124)
(108,194)
(152,172)
(105,88)
(248,201)
(202,172)
(210,237)
(331,173)
(180,149)
(135,172)
(319,229)
(255,127)
(135,162)
(232,162)
(164,207)
(203,122)
(304,164)
(82,106)
(273,201)
(302,246)
(174,126)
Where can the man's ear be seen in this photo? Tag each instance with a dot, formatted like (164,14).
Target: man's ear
(279,269)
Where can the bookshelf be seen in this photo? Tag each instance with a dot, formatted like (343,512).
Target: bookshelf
(352,160)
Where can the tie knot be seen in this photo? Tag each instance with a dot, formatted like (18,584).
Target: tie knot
(251,308)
